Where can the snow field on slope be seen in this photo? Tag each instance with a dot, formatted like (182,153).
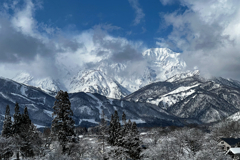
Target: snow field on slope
(181,89)
(85,109)
(6,97)
(97,82)
(89,120)
(23,90)
(22,97)
(49,113)
(138,121)
(174,96)
(234,117)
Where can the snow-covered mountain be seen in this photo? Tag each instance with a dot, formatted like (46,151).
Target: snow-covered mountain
(47,84)
(95,81)
(164,62)
(192,97)
(158,64)
(176,101)
(86,107)
(113,79)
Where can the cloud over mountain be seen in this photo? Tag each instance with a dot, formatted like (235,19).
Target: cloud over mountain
(207,33)
(40,49)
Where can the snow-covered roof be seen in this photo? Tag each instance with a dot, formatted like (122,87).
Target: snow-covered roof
(234,150)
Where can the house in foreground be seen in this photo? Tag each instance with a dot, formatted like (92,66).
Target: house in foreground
(227,143)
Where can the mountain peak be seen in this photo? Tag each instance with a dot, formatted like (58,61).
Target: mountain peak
(111,78)
(159,54)
(95,81)
(46,83)
(23,77)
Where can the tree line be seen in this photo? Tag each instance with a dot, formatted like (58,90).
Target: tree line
(21,138)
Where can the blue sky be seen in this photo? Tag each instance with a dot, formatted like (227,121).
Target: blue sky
(79,15)
(35,35)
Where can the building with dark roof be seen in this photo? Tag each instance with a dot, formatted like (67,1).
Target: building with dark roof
(227,143)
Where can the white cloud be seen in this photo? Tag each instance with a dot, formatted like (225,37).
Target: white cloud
(24,20)
(167,2)
(24,46)
(207,33)
(138,11)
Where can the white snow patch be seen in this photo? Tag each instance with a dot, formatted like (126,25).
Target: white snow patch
(122,104)
(181,89)
(134,120)
(49,113)
(39,126)
(23,90)
(4,96)
(89,120)
(110,100)
(138,121)
(155,101)
(174,96)
(143,133)
(234,117)
(33,107)
(22,97)
(85,109)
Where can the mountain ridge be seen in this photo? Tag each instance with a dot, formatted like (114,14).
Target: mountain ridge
(86,107)
(159,64)
(192,97)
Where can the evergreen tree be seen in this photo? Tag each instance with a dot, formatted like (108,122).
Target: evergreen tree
(16,127)
(62,124)
(25,117)
(125,138)
(103,124)
(103,132)
(134,142)
(110,132)
(25,122)
(7,125)
(128,126)
(114,130)
(26,134)
(134,129)
(124,121)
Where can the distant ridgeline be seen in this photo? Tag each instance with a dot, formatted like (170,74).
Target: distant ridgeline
(86,107)
(181,100)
